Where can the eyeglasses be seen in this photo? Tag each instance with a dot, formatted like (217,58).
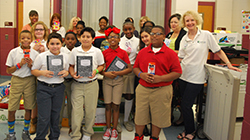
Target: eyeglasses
(39,30)
(115,37)
(152,34)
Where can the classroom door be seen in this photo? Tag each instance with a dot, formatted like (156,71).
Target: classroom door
(207,11)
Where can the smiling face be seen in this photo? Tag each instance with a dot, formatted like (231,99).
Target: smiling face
(142,22)
(79,28)
(190,22)
(113,40)
(174,23)
(75,22)
(39,31)
(102,24)
(33,18)
(128,30)
(145,37)
(86,39)
(25,40)
(55,19)
(70,41)
(157,37)
(54,46)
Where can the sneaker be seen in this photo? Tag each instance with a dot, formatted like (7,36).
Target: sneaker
(10,136)
(26,135)
(107,134)
(138,138)
(114,135)
(86,138)
(119,127)
(128,126)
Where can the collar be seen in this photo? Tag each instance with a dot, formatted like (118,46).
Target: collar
(197,34)
(20,50)
(116,50)
(131,39)
(162,50)
(79,49)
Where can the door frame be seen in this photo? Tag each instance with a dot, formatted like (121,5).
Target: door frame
(209,4)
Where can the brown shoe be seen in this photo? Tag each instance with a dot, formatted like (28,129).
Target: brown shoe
(33,124)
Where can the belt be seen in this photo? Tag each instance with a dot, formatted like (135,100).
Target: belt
(50,85)
(152,87)
(68,79)
(85,82)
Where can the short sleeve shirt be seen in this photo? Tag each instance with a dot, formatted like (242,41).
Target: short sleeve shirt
(97,59)
(15,56)
(194,55)
(165,60)
(41,64)
(110,54)
(133,43)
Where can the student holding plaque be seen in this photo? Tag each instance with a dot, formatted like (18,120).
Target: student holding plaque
(157,66)
(50,68)
(113,82)
(85,62)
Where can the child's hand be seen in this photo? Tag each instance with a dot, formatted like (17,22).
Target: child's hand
(41,49)
(23,61)
(75,76)
(47,73)
(64,73)
(156,79)
(37,47)
(29,61)
(147,77)
(110,74)
(93,74)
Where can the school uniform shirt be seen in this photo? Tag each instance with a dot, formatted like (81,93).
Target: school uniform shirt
(41,64)
(15,56)
(97,59)
(43,42)
(194,55)
(165,60)
(61,31)
(110,54)
(133,43)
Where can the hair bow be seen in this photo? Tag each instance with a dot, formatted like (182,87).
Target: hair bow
(109,30)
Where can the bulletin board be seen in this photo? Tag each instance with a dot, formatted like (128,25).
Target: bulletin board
(245,21)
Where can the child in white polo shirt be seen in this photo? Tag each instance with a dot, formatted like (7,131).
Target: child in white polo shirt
(22,83)
(85,89)
(50,88)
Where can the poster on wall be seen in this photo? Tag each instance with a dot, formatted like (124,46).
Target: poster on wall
(245,21)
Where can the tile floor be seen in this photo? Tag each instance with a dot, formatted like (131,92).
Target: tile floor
(169,133)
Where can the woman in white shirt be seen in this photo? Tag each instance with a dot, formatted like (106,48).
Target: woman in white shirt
(193,52)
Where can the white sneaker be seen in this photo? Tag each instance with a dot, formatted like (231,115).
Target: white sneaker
(119,127)
(86,138)
(114,135)
(107,134)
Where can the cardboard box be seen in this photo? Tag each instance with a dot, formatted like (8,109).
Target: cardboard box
(4,115)
(229,39)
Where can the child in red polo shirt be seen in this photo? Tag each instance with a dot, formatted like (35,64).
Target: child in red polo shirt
(113,81)
(156,66)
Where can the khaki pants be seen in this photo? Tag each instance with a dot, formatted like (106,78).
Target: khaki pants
(87,95)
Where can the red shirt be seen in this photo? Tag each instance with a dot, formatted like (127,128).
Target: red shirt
(166,61)
(110,54)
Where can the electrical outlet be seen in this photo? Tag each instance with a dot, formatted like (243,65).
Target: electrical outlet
(6,36)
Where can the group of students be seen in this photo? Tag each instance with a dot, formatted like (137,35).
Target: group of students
(148,59)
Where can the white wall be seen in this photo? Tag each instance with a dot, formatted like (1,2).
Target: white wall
(237,15)
(8,12)
(41,6)
(181,6)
